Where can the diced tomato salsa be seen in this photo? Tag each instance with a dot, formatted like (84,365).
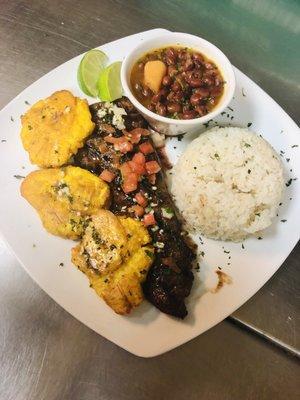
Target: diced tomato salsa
(152,167)
(149,220)
(107,175)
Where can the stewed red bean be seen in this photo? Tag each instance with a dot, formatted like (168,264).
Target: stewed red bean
(204,92)
(167,80)
(198,57)
(191,88)
(161,109)
(176,87)
(188,65)
(195,99)
(172,71)
(189,114)
(174,108)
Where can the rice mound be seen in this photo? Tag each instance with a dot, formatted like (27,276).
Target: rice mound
(228,183)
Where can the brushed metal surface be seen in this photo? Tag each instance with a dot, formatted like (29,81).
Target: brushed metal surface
(44,352)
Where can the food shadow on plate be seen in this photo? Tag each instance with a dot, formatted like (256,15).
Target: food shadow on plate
(199,289)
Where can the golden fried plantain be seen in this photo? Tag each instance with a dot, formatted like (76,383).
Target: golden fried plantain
(127,244)
(53,129)
(65,198)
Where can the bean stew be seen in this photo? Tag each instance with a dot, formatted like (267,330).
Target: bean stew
(177,82)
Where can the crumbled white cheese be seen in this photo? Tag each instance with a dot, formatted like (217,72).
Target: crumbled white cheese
(159,245)
(118,121)
(102,112)
(117,112)
(154,229)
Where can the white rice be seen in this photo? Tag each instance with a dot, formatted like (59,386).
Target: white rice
(228,183)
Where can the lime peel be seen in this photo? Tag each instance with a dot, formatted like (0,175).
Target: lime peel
(90,67)
(109,82)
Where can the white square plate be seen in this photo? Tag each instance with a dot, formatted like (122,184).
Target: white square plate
(147,332)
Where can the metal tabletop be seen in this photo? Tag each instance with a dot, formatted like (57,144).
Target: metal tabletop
(47,354)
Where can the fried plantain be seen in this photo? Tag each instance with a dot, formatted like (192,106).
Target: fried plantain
(124,257)
(65,198)
(53,129)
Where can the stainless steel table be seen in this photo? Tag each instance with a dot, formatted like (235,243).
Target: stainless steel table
(44,352)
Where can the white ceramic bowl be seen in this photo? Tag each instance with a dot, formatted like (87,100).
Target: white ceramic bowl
(166,125)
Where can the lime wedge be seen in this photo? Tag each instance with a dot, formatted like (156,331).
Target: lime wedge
(109,83)
(89,69)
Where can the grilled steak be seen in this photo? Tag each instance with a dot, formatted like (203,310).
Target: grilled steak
(107,153)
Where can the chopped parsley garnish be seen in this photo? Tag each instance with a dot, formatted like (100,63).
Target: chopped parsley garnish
(27,102)
(243,247)
(180,137)
(283,220)
(217,156)
(61,264)
(243,92)
(249,124)
(289,182)
(259,238)
(96,237)
(3,141)
(227,252)
(149,253)
(202,253)
(11,118)
(287,159)
(247,145)
(19,176)
(249,171)
(294,145)
(231,109)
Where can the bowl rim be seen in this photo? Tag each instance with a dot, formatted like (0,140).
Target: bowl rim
(184,122)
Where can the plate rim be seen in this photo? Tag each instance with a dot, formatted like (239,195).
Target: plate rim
(143,354)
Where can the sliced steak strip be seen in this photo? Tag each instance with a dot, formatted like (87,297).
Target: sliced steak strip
(170,278)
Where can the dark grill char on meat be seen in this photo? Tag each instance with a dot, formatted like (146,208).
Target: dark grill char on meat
(170,278)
